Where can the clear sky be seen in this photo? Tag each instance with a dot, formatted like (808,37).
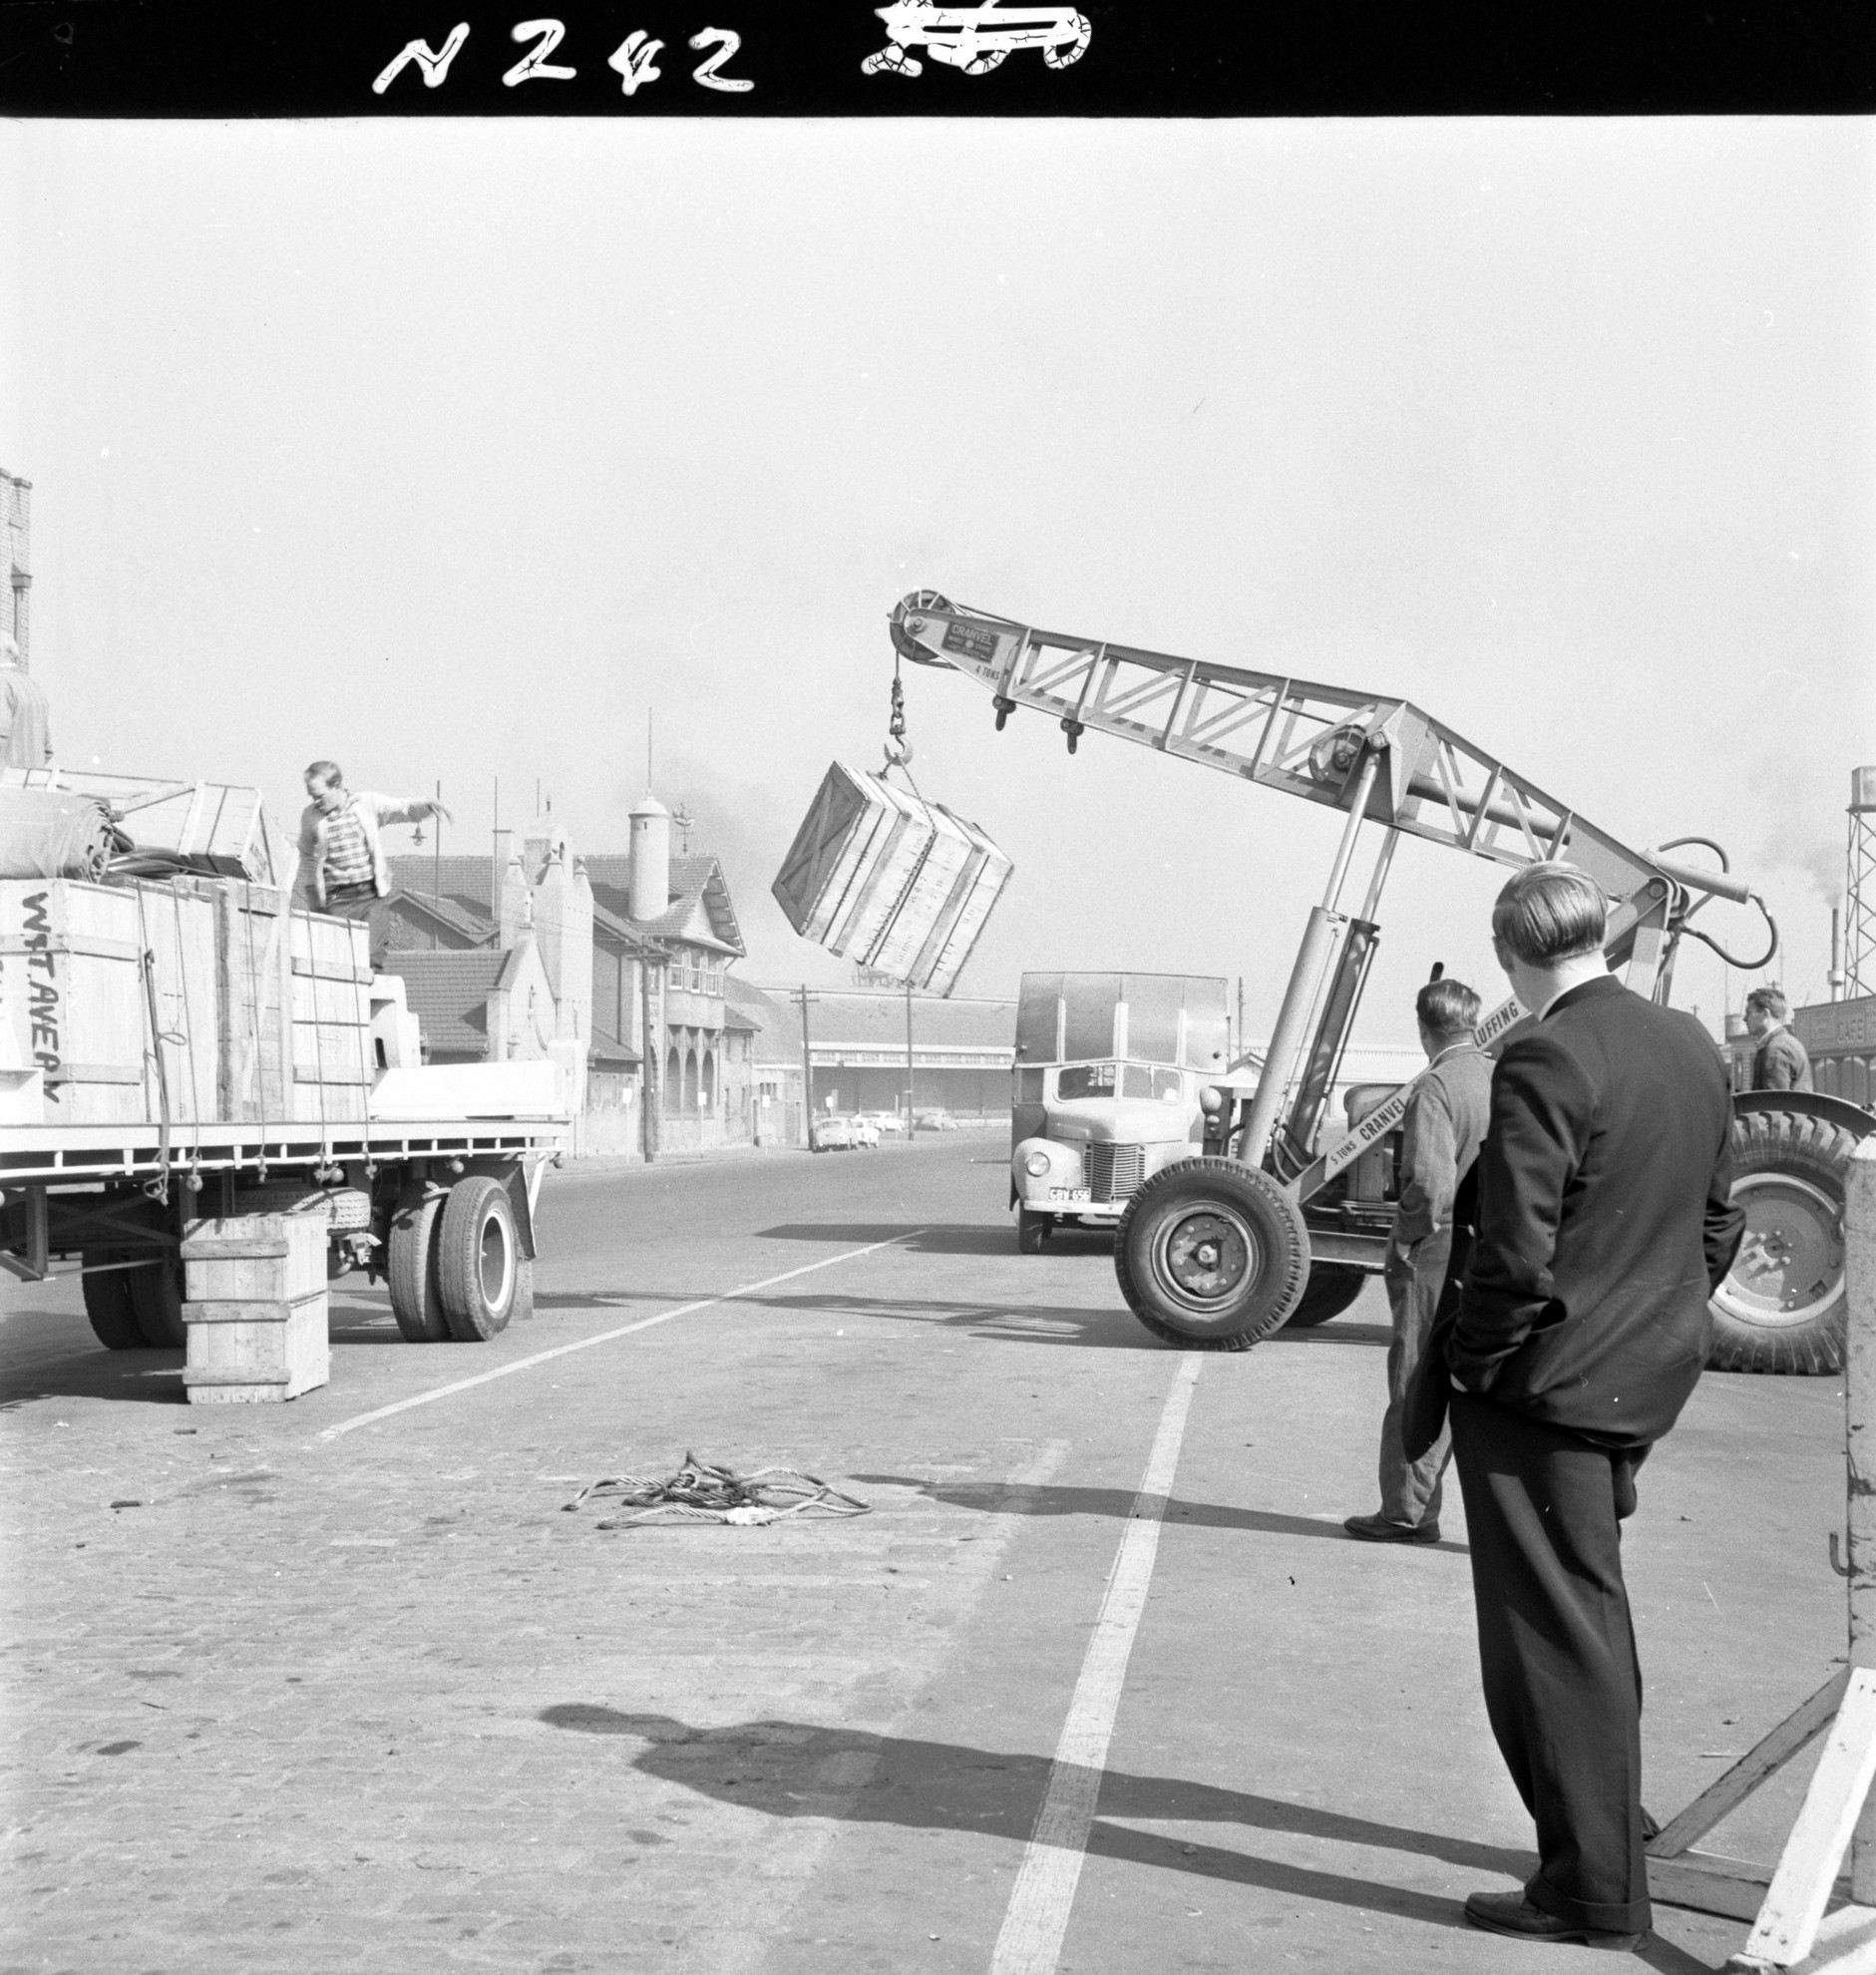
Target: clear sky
(452,450)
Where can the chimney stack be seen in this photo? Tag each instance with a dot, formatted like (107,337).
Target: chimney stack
(650,859)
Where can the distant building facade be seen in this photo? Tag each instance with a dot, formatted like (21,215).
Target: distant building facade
(633,949)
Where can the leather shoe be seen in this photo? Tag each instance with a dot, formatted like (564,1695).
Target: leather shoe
(1510,1913)
(1377,1529)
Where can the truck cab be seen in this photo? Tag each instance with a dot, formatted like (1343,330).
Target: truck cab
(1109,1070)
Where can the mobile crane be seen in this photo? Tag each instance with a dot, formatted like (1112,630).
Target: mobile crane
(1268,1224)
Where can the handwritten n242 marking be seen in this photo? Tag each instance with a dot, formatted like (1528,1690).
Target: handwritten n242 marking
(633,59)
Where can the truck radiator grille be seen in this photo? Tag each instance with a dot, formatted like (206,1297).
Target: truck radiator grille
(1115,1171)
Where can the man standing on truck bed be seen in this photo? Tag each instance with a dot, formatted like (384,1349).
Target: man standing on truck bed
(342,866)
(1440,1133)
(1780,1062)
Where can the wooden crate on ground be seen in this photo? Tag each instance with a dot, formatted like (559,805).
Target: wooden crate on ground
(255,1308)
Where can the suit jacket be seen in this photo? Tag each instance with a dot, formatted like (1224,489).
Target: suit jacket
(1600,1225)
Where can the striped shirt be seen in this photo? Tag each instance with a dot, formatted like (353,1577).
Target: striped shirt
(348,856)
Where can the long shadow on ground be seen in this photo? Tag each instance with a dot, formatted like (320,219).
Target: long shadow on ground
(803,1769)
(1000,1499)
(793,1769)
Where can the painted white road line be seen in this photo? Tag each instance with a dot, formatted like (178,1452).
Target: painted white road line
(1031,1942)
(604,1337)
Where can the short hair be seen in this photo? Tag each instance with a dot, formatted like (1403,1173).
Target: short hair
(1447,1008)
(1550,912)
(1772,999)
(328,770)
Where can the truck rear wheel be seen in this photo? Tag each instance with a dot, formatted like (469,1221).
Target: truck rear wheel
(477,1258)
(108,1303)
(1331,1288)
(1784,1305)
(156,1298)
(416,1299)
(1212,1254)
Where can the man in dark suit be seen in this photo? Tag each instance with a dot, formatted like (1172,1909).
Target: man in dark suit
(1603,1223)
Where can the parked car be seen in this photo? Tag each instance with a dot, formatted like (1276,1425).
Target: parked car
(846,1134)
(933,1122)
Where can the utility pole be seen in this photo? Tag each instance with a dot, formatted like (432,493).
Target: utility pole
(652,1077)
(436,853)
(909,1072)
(807,1074)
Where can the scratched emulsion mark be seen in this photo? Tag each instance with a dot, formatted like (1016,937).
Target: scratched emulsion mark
(974,39)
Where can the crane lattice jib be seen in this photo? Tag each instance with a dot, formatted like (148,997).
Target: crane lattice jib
(1286,733)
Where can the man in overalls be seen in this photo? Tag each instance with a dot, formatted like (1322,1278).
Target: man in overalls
(1440,1135)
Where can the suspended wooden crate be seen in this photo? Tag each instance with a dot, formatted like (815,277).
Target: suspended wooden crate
(255,1307)
(206,827)
(891,881)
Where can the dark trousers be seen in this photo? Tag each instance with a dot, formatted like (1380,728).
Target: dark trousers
(1563,1686)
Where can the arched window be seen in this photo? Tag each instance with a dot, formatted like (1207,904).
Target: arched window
(674,1084)
(690,1082)
(709,1080)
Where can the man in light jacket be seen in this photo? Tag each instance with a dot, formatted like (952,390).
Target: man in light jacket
(342,866)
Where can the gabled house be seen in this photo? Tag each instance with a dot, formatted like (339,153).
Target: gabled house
(635,947)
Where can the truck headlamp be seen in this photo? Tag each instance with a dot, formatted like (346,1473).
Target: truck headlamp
(1036,1165)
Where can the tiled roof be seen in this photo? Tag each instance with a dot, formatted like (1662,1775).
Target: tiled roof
(471,926)
(462,880)
(695,880)
(449,994)
(607,1051)
(623,931)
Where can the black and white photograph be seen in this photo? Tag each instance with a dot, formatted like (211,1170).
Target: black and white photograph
(938,985)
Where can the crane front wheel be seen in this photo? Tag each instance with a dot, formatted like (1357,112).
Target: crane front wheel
(1212,1254)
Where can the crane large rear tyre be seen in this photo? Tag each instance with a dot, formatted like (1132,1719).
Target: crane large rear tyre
(411,1269)
(1784,1305)
(1212,1254)
(108,1303)
(477,1259)
(1331,1288)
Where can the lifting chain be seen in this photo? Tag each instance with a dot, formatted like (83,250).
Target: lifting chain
(897,747)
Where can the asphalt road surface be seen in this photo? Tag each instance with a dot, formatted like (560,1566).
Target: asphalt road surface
(1098,1684)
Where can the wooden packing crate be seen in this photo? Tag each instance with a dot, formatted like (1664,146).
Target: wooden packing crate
(333,1058)
(255,1308)
(73,993)
(889,880)
(214,829)
(262,1012)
